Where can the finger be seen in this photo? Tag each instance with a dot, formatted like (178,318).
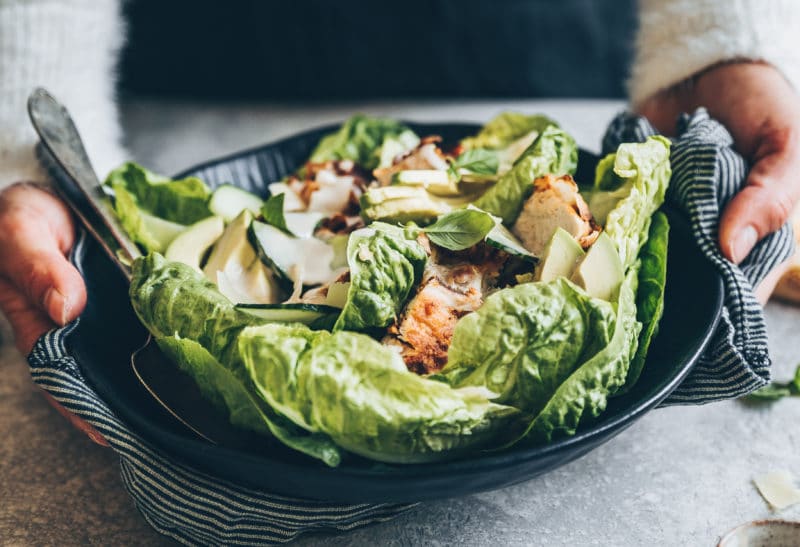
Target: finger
(767,286)
(36,231)
(765,203)
(29,323)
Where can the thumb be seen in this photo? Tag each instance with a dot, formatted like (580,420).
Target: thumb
(37,232)
(49,282)
(765,203)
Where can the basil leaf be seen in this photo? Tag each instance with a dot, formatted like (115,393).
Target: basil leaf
(795,385)
(770,392)
(272,211)
(478,161)
(460,229)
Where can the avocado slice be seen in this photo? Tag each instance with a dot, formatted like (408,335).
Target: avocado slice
(560,256)
(234,266)
(600,272)
(400,204)
(190,246)
(435,181)
(163,231)
(231,247)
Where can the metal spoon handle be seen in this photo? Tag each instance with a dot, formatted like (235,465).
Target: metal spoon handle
(77,181)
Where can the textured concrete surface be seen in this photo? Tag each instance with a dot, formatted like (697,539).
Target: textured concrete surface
(680,476)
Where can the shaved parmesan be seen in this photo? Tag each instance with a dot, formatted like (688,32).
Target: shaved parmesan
(778,489)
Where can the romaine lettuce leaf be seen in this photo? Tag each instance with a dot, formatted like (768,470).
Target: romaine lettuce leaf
(526,340)
(361,139)
(199,328)
(184,201)
(154,209)
(650,295)
(358,392)
(233,393)
(505,128)
(553,151)
(584,394)
(629,187)
(151,232)
(385,263)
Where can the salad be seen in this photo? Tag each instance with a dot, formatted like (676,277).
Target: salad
(404,299)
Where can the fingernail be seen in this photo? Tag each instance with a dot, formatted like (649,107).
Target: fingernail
(57,306)
(743,243)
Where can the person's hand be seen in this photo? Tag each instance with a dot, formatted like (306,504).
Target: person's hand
(762,111)
(39,288)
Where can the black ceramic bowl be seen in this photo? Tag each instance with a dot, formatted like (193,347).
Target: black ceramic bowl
(109,332)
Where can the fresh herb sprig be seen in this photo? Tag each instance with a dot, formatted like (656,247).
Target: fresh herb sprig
(460,229)
(778,390)
(477,161)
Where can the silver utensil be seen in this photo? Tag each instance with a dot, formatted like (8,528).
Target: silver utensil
(78,183)
(80,188)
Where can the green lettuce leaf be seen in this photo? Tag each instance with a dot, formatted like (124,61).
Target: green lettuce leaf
(385,263)
(584,394)
(199,329)
(184,201)
(531,338)
(153,209)
(151,232)
(629,187)
(358,392)
(553,151)
(505,128)
(361,139)
(650,295)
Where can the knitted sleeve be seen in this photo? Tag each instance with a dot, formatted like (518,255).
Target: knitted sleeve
(678,38)
(70,47)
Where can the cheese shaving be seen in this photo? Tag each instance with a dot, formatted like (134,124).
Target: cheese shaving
(778,489)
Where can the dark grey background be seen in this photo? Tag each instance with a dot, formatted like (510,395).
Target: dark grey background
(353,49)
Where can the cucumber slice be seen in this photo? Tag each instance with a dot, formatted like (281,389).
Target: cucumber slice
(501,238)
(228,201)
(289,313)
(291,258)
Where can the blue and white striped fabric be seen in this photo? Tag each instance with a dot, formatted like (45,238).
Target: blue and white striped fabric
(178,501)
(706,173)
(198,509)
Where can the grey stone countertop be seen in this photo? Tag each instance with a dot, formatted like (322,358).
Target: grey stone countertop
(680,476)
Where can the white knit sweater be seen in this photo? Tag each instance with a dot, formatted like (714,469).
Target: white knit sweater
(71,46)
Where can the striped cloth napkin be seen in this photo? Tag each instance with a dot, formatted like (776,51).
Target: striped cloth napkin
(198,509)
(706,173)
